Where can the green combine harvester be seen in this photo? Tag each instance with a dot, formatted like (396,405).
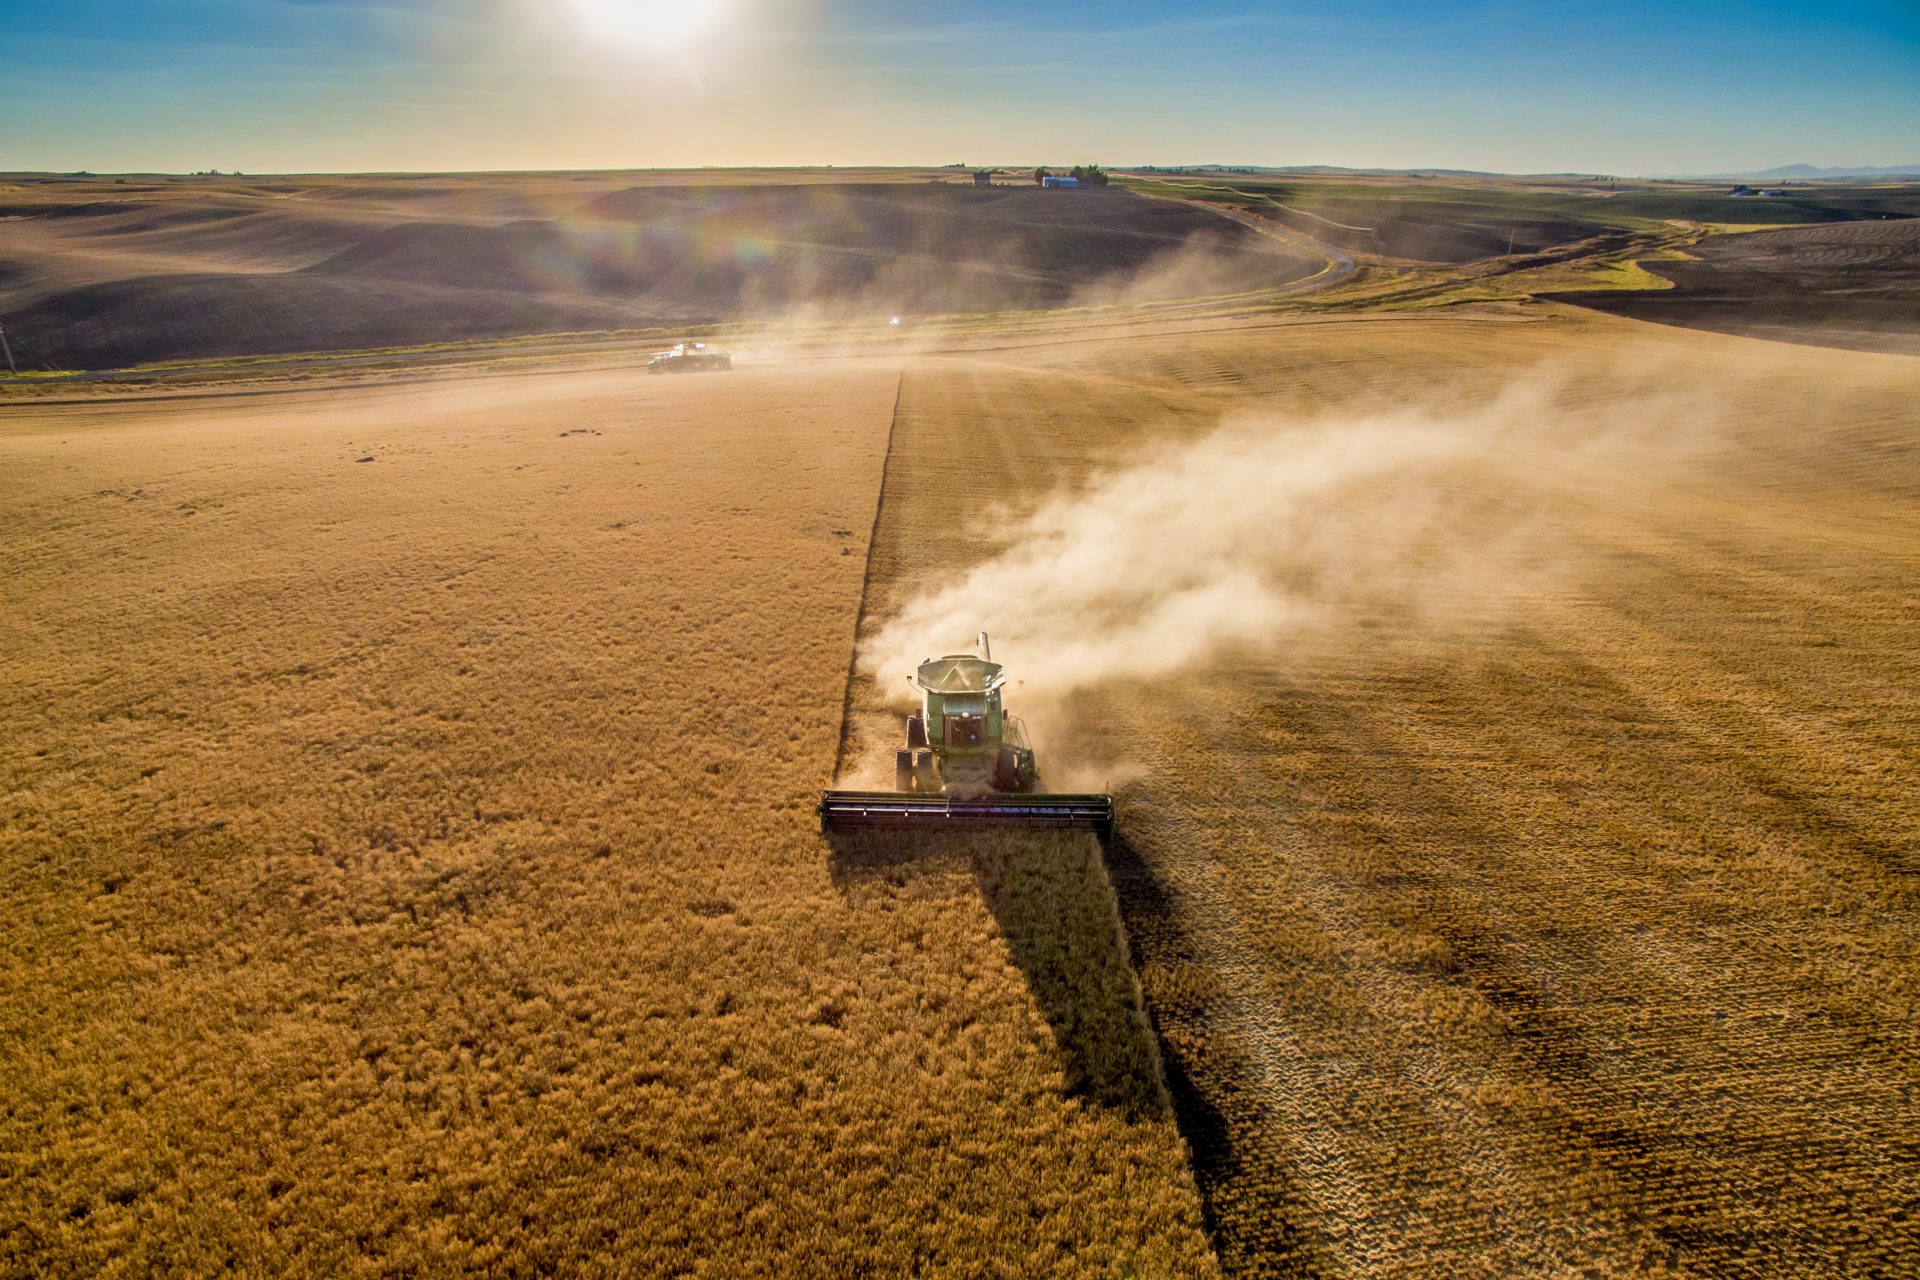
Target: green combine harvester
(967,763)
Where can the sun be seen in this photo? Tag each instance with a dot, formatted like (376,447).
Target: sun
(650,24)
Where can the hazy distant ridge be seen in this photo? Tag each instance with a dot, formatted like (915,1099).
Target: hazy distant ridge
(1807,171)
(1781,173)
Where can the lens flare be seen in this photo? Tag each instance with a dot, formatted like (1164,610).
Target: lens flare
(650,24)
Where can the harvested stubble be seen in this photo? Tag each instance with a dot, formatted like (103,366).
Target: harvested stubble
(1572,938)
(408,866)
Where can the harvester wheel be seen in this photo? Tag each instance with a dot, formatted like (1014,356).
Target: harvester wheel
(1006,770)
(916,731)
(924,776)
(903,771)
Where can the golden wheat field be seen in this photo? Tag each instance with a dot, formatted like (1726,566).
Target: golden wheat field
(1516,724)
(410,866)
(409,862)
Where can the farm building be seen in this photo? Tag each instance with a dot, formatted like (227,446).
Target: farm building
(1059,180)
(983,178)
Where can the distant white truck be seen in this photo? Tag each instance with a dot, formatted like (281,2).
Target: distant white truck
(691,357)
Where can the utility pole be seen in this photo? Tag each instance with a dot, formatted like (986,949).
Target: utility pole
(1510,231)
(9,350)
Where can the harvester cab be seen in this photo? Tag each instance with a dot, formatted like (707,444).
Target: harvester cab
(962,741)
(966,763)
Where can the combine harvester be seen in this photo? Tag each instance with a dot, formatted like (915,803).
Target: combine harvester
(967,764)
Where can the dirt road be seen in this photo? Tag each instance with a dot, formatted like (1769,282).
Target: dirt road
(1339,264)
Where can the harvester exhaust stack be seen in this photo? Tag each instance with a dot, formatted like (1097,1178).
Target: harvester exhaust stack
(966,763)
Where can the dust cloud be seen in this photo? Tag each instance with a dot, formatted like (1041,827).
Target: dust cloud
(912,308)
(1270,535)
(1202,266)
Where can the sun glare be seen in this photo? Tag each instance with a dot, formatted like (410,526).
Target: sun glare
(650,24)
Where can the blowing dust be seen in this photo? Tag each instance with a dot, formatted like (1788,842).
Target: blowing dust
(1270,536)
(913,303)
(1203,266)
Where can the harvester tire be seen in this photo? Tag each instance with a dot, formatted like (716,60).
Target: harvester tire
(903,771)
(1006,770)
(924,776)
(916,731)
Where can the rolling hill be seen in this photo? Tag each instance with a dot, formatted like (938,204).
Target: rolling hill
(111,276)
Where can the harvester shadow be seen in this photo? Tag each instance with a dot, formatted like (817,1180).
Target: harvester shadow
(1049,894)
(1212,1152)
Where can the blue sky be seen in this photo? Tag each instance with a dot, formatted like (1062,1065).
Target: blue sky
(324,85)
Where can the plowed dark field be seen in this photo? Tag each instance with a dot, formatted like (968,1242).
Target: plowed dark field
(98,275)
(1459,221)
(1540,897)
(1854,284)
